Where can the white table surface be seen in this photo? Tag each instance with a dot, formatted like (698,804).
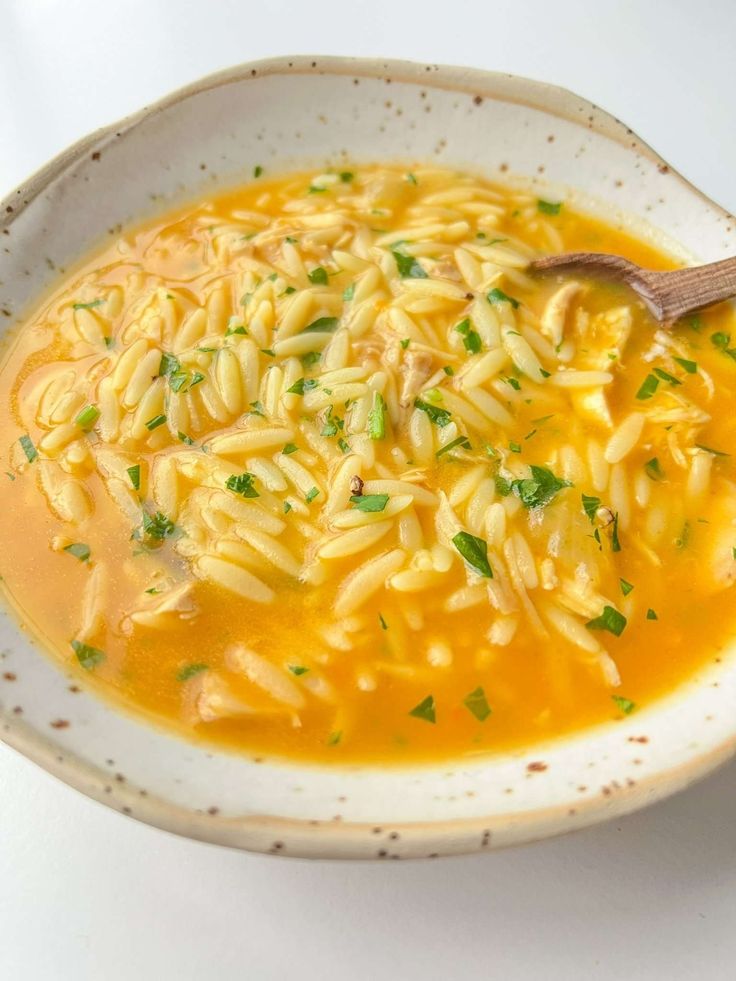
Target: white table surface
(88,894)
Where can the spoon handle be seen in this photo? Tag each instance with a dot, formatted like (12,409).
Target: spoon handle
(684,291)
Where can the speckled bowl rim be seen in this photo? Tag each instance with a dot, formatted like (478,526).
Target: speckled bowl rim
(328,839)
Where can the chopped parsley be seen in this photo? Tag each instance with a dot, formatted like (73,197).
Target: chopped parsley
(440,417)
(239,329)
(626,587)
(346,176)
(257,170)
(311,494)
(88,657)
(549,207)
(302,385)
(538,490)
(461,441)
(323,325)
(189,670)
(590,506)
(448,370)
(615,543)
(624,705)
(514,383)
(405,343)
(651,615)
(690,367)
(155,422)
(344,445)
(514,447)
(610,620)
(88,306)
(503,486)
(471,338)
(475,552)
(425,710)
(168,364)
(653,469)
(384,625)
(290,448)
(412,179)
(318,276)
(334,737)
(370,503)
(134,473)
(498,296)
(477,703)
(721,341)
(242,484)
(297,669)
(287,507)
(87,417)
(183,438)
(155,527)
(377,417)
(648,387)
(407,266)
(666,376)
(28,448)
(79,551)
(349,292)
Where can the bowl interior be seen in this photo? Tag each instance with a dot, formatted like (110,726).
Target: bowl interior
(303,112)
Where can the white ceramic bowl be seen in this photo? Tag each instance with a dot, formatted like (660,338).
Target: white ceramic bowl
(306,111)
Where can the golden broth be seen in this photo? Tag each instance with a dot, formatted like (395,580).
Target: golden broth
(176,374)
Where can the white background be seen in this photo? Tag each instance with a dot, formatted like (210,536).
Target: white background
(87,894)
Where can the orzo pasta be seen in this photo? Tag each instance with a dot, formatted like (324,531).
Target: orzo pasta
(317,468)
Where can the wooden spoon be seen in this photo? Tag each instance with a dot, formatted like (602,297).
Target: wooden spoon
(668,295)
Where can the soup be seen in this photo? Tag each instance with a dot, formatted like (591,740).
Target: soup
(316,469)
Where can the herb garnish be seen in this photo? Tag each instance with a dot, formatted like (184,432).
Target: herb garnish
(88,657)
(28,448)
(651,615)
(653,469)
(189,670)
(79,551)
(626,587)
(425,710)
(440,417)
(311,494)
(539,489)
(88,306)
(290,448)
(302,385)
(477,703)
(471,338)
(242,484)
(135,476)
(475,552)
(624,704)
(610,619)
(648,387)
(690,367)
(461,441)
(155,422)
(549,207)
(408,267)
(370,503)
(377,417)
(87,417)
(498,296)
(590,506)
(323,325)
(318,276)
